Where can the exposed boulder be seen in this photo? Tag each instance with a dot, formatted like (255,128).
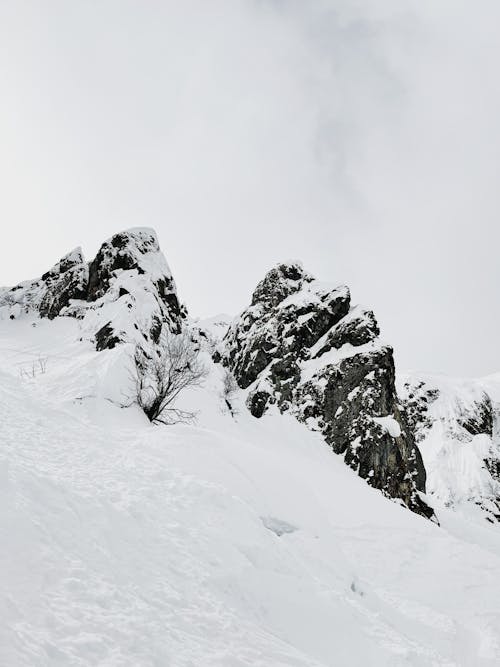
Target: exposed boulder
(300,346)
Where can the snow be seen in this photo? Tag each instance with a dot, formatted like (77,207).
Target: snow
(215,327)
(230,543)
(278,526)
(389,424)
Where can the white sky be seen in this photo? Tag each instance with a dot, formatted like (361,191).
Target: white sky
(360,136)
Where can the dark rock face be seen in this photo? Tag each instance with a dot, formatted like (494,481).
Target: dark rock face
(119,252)
(280,282)
(105,338)
(356,330)
(275,328)
(300,346)
(70,283)
(355,406)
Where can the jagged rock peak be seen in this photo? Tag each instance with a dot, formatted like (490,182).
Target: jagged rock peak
(303,348)
(70,260)
(127,292)
(52,293)
(135,248)
(281,281)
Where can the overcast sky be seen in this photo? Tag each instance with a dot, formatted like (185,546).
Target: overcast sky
(360,136)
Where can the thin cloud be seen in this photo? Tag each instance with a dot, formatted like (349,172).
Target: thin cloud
(359,136)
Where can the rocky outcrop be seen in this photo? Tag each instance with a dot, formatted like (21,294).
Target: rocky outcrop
(455,424)
(50,294)
(131,291)
(66,281)
(126,294)
(138,251)
(301,347)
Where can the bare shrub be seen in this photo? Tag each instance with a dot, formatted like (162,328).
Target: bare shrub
(160,378)
(42,364)
(229,389)
(37,367)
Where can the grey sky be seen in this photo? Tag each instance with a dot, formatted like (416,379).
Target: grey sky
(359,136)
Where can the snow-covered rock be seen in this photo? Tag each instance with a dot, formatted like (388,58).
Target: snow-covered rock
(125,294)
(456,426)
(51,294)
(131,292)
(301,347)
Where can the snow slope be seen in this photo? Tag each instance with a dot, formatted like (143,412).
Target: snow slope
(232,543)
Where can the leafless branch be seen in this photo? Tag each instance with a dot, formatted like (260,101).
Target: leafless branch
(229,388)
(160,378)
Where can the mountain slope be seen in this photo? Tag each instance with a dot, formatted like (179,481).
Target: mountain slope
(236,541)
(233,542)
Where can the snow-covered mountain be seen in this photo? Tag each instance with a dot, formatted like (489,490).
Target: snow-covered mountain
(456,427)
(244,538)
